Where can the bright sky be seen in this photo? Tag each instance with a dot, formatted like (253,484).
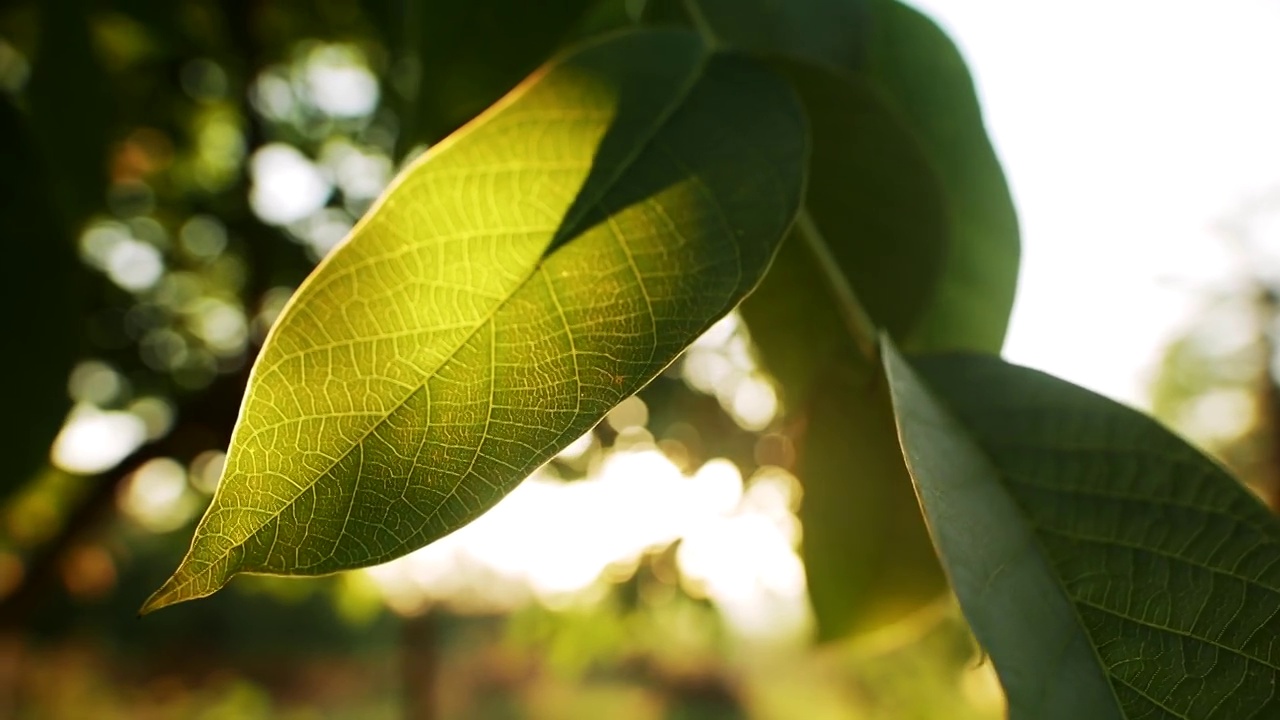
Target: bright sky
(1128,129)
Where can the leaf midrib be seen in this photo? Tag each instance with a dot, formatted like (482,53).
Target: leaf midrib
(691,80)
(1042,554)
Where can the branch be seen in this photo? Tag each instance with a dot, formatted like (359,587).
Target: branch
(856,320)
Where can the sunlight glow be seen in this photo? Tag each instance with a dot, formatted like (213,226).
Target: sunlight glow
(156,496)
(551,540)
(95,382)
(722,363)
(339,83)
(361,174)
(206,470)
(287,186)
(93,441)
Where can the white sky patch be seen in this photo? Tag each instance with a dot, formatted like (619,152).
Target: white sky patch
(1127,129)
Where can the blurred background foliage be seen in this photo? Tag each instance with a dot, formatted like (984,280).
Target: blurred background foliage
(171,170)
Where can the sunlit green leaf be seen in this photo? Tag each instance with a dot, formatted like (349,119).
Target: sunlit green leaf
(534,270)
(918,67)
(39,309)
(1110,569)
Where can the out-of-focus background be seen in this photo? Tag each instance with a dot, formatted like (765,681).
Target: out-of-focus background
(201,156)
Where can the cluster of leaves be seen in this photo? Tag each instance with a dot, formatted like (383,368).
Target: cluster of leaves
(822,166)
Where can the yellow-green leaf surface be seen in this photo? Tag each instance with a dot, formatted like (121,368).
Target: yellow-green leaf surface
(531,272)
(1110,569)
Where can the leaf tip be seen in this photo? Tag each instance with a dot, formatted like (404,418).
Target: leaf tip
(185,584)
(167,595)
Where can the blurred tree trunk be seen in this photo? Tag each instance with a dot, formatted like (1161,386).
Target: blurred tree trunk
(420,666)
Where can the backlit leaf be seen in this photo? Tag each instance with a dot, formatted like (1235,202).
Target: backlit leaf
(1110,569)
(531,272)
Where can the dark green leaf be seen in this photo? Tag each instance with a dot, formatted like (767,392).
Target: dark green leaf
(1111,570)
(458,57)
(876,203)
(513,286)
(826,32)
(960,293)
(918,67)
(873,196)
(866,552)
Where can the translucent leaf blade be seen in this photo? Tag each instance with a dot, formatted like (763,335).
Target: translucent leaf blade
(531,272)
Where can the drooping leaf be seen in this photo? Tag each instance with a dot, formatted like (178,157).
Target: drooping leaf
(874,199)
(965,303)
(508,290)
(882,219)
(919,226)
(918,67)
(1110,569)
(867,555)
(881,224)
(40,311)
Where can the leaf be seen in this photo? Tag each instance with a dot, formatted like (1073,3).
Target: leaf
(40,305)
(880,232)
(605,16)
(918,67)
(866,552)
(916,227)
(831,33)
(882,218)
(875,200)
(537,268)
(1111,570)
(461,56)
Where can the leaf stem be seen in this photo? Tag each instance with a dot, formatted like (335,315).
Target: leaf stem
(700,23)
(859,324)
